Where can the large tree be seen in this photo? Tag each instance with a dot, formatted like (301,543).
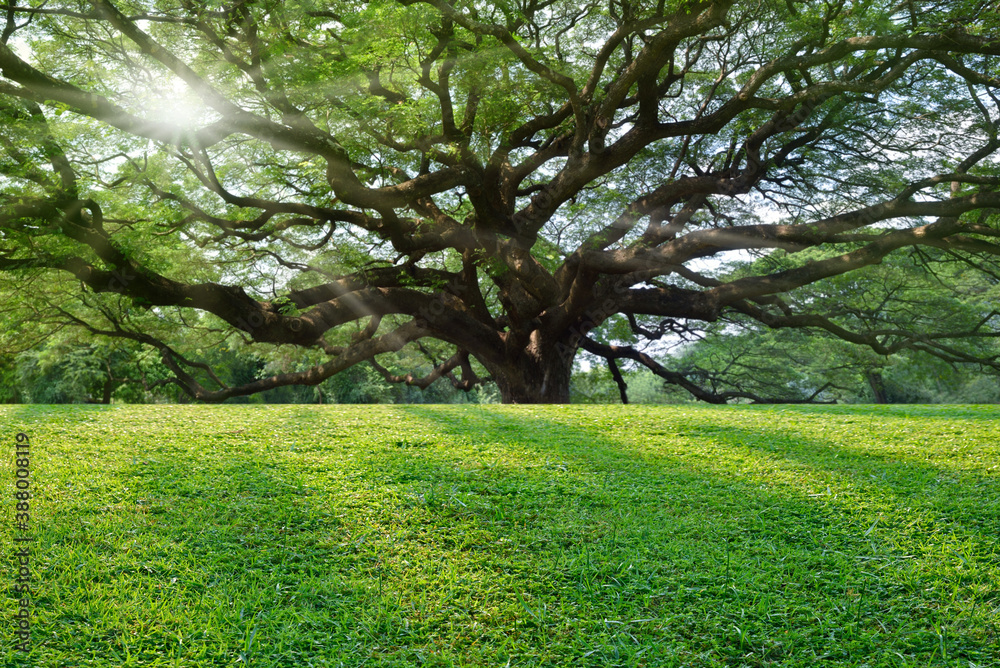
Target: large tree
(490,182)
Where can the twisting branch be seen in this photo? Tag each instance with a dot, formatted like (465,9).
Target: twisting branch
(460,360)
(615,352)
(616,374)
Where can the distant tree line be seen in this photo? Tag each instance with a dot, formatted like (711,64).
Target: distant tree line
(906,380)
(64,370)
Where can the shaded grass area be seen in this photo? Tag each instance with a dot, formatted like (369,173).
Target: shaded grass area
(511,536)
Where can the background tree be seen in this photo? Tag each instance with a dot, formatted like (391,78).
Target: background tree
(500,183)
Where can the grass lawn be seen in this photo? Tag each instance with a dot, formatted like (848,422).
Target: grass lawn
(508,536)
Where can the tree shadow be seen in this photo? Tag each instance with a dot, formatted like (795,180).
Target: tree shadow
(711,533)
(891,523)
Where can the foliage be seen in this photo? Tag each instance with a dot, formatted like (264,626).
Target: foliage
(596,386)
(64,370)
(486,536)
(60,376)
(8,381)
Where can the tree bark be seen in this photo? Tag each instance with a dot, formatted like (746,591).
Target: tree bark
(542,386)
(109,388)
(877,385)
(538,373)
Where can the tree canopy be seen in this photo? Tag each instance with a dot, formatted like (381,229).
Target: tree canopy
(493,187)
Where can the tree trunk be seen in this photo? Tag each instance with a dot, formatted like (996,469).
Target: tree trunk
(109,388)
(877,385)
(535,374)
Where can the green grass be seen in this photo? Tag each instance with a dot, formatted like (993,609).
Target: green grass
(510,536)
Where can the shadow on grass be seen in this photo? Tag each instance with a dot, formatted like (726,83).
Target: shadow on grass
(175,552)
(902,475)
(858,518)
(967,412)
(515,536)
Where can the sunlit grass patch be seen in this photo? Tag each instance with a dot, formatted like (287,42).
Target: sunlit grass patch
(528,536)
